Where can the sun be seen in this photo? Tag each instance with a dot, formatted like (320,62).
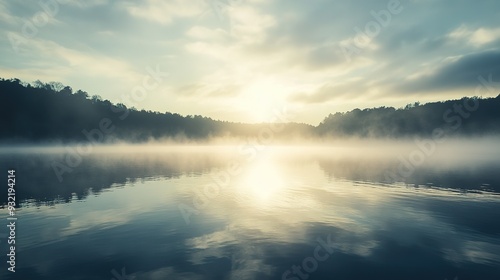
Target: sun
(261,99)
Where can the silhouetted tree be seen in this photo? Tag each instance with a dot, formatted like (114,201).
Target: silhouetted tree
(51,111)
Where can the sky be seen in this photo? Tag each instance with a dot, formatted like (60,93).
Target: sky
(248,60)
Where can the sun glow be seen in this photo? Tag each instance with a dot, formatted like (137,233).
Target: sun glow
(262,184)
(261,99)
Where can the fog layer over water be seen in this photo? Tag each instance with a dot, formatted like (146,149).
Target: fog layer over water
(376,209)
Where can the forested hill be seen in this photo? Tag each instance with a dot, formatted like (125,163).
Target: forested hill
(465,117)
(54,112)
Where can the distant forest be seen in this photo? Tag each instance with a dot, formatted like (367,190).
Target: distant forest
(45,112)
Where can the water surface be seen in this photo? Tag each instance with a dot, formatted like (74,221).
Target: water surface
(262,213)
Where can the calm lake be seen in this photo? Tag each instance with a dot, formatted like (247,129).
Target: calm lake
(381,211)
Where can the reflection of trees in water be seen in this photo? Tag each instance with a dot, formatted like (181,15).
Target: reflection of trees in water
(37,182)
(482,177)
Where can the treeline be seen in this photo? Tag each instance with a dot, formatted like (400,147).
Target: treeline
(43,112)
(464,117)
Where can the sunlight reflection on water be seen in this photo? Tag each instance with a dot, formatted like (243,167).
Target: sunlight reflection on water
(122,210)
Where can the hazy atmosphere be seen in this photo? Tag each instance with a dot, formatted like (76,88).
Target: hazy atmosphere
(250,139)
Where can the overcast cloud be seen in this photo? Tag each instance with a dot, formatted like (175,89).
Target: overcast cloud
(241,59)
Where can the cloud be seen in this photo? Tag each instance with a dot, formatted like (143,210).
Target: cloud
(86,63)
(456,72)
(84,4)
(319,58)
(249,25)
(204,33)
(325,93)
(164,12)
(477,38)
(231,53)
(5,15)
(197,91)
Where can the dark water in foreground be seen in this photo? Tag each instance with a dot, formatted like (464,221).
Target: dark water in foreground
(275,213)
